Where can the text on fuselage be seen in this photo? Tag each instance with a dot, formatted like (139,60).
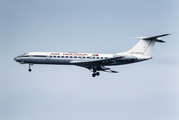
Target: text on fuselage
(70,54)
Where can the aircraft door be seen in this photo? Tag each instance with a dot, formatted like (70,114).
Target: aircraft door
(48,57)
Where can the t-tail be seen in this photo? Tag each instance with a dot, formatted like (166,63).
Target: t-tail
(145,45)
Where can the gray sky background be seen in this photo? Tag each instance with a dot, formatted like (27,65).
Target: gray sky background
(143,91)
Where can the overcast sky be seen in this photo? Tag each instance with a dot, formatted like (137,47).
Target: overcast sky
(142,91)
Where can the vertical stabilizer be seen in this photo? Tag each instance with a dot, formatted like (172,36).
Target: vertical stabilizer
(145,45)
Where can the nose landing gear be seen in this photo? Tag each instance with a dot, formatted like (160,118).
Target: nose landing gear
(30,68)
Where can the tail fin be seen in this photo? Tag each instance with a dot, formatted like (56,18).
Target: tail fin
(145,45)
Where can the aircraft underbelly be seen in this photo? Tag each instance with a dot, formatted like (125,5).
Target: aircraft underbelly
(48,61)
(68,62)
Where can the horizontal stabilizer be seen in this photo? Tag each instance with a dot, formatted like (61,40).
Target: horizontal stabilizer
(156,38)
(160,41)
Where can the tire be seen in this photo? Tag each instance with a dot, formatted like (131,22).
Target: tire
(97,73)
(30,70)
(93,75)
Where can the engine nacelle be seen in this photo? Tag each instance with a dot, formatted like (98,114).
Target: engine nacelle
(125,57)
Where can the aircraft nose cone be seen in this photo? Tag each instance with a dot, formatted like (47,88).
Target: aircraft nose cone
(15,58)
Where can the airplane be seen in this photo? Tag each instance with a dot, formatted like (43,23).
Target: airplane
(94,62)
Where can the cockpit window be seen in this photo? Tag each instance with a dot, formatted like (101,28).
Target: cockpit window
(25,53)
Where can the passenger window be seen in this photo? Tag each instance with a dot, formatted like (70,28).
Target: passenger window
(51,56)
(88,57)
(62,56)
(101,57)
(66,56)
(83,57)
(75,57)
(71,56)
(106,57)
(97,57)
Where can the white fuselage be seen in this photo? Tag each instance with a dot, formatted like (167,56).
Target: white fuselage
(64,58)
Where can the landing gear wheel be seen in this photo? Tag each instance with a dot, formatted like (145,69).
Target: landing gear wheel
(93,75)
(97,73)
(30,68)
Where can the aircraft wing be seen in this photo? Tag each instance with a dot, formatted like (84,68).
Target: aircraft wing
(94,62)
(97,64)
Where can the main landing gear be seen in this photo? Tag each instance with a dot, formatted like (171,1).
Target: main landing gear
(94,70)
(95,74)
(30,68)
